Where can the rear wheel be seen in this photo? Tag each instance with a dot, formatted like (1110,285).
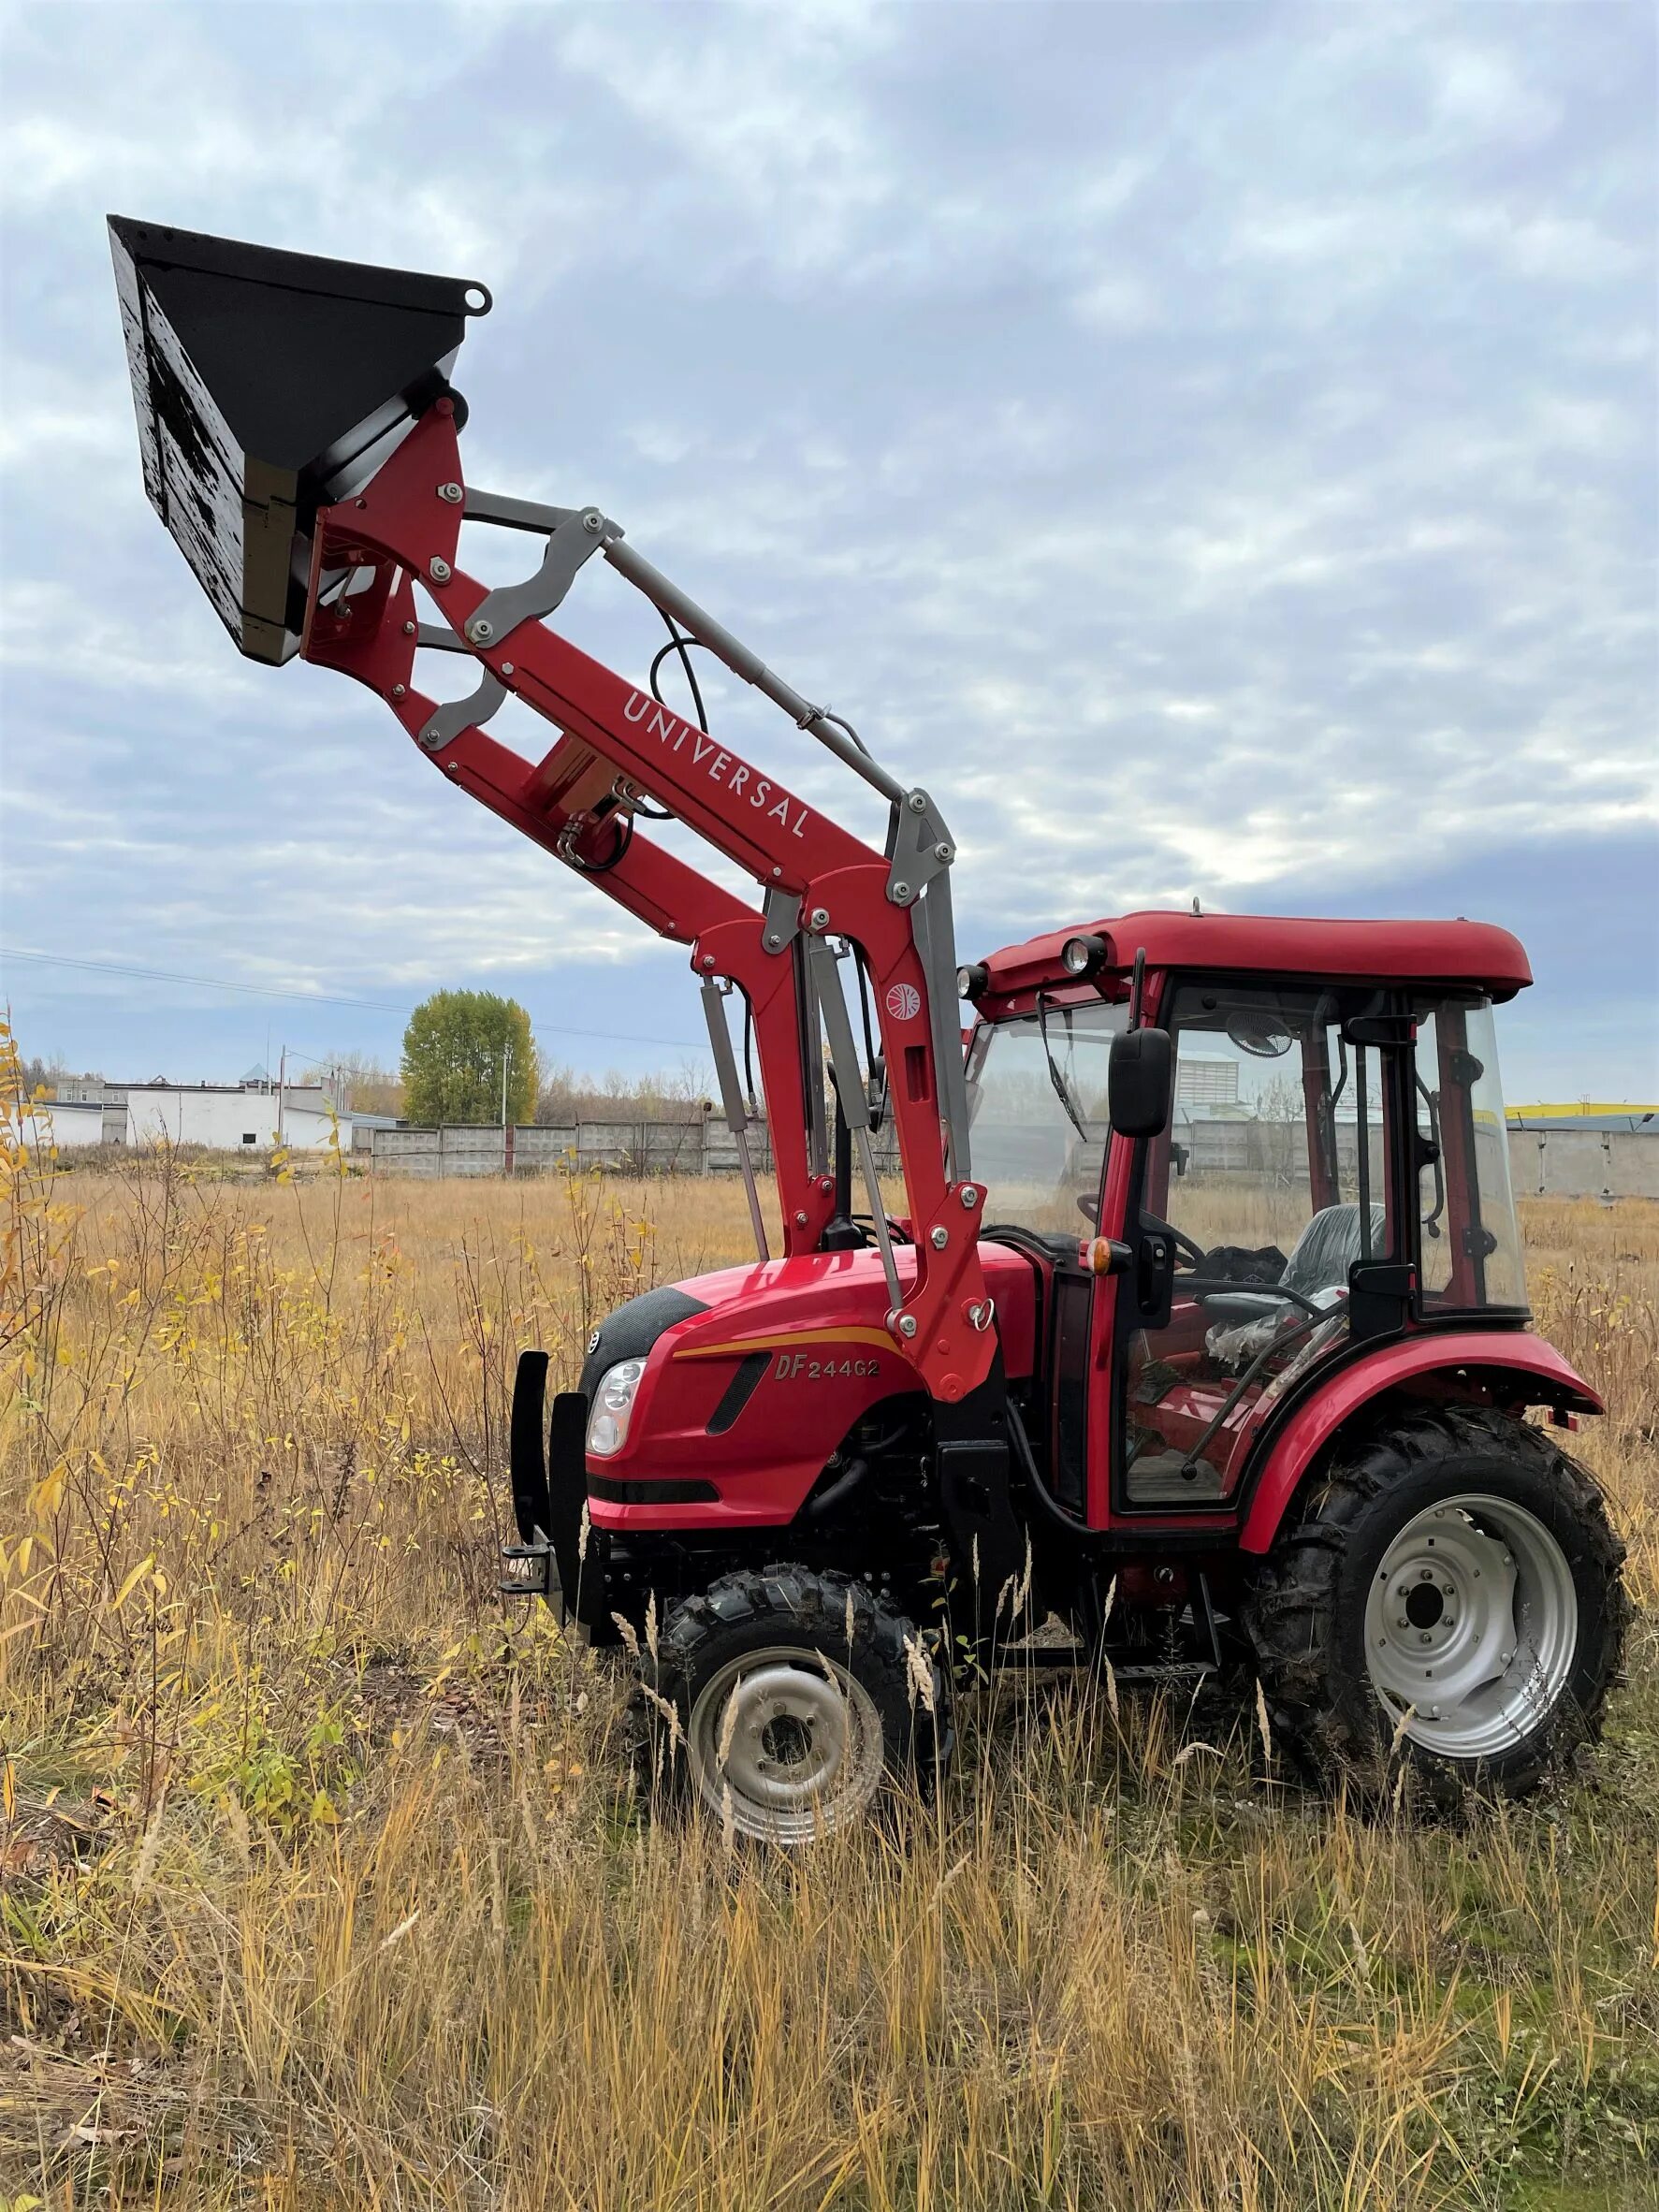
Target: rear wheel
(779,1699)
(1451,1594)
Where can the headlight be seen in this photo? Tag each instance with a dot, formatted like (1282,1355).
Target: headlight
(1082,955)
(613,1402)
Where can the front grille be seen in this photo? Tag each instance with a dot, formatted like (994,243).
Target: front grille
(610,1491)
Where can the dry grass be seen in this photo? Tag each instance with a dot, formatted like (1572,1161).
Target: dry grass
(319,1889)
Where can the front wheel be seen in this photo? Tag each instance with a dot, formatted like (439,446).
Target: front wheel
(779,1699)
(1452,1594)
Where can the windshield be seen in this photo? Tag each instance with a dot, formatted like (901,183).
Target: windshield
(1038,1114)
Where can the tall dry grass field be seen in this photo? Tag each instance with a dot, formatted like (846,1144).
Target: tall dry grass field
(319,1887)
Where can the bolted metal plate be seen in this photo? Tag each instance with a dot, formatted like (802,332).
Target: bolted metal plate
(267,385)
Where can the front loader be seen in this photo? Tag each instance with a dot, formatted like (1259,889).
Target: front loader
(1200,1324)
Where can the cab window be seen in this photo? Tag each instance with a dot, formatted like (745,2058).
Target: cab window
(1274,1177)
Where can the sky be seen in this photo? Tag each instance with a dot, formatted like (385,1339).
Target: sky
(1213,448)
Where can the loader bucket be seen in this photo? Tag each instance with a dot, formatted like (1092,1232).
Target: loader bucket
(268,385)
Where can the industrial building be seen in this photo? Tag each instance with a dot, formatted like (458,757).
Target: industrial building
(248,1116)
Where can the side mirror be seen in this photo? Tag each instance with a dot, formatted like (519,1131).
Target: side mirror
(1140,1082)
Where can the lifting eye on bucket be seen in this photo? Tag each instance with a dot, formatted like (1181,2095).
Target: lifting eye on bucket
(269,384)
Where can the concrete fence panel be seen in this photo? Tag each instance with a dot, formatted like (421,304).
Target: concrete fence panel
(1584,1163)
(1558,1163)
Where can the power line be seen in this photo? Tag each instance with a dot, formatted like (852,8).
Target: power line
(206,982)
(214,983)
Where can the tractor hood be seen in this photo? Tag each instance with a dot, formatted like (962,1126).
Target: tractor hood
(771,1301)
(754,1377)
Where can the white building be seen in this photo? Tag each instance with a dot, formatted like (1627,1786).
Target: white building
(234,1118)
(63,1123)
(1206,1079)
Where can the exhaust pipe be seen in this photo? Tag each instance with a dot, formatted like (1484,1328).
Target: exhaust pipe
(268,385)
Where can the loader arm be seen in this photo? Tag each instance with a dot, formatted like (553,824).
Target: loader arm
(300,439)
(620,745)
(376,632)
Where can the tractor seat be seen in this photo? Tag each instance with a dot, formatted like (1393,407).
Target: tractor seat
(1319,1261)
(1328,1247)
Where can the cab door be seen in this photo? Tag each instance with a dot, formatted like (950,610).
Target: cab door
(1265,1220)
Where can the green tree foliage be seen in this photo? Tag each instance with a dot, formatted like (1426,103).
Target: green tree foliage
(452,1059)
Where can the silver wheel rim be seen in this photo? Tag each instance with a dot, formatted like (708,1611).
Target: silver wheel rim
(1471,1626)
(785,1743)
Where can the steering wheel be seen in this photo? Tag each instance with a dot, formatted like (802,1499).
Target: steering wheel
(1185,1249)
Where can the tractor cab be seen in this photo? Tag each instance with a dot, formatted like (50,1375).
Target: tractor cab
(1320,1164)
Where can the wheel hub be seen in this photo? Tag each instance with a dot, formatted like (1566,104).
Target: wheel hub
(786,1741)
(1471,1626)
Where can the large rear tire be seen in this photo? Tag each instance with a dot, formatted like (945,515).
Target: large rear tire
(780,1700)
(1450,1596)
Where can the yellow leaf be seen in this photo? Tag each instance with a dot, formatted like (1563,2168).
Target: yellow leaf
(322,1809)
(8,1790)
(21,1556)
(134,1579)
(49,1496)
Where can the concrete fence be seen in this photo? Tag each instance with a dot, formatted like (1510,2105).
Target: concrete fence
(701,1146)
(1584,1163)
(1562,1163)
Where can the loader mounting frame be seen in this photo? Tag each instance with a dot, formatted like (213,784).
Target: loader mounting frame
(619,744)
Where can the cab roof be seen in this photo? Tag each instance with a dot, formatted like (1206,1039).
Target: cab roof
(1476,955)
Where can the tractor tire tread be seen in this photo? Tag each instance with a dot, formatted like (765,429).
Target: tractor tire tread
(814,1603)
(1291,1610)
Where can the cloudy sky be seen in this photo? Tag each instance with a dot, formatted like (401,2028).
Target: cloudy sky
(1212,446)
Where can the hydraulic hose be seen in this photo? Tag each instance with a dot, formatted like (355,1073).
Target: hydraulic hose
(1052,1508)
(821,1507)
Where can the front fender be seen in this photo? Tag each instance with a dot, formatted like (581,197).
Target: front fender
(1539,1373)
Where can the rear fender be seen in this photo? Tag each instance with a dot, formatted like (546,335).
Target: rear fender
(1514,1370)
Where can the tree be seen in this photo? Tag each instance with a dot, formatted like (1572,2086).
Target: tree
(370,1088)
(453,1053)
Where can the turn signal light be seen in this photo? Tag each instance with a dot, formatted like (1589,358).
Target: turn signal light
(1104,1255)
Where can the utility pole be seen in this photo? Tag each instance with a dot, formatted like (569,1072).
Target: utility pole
(281,1091)
(506,1132)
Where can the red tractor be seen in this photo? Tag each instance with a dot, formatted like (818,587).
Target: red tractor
(1202,1321)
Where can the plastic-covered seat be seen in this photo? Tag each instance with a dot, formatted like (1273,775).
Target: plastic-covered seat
(1329,1246)
(1319,1265)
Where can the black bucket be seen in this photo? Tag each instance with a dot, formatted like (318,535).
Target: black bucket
(268,385)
